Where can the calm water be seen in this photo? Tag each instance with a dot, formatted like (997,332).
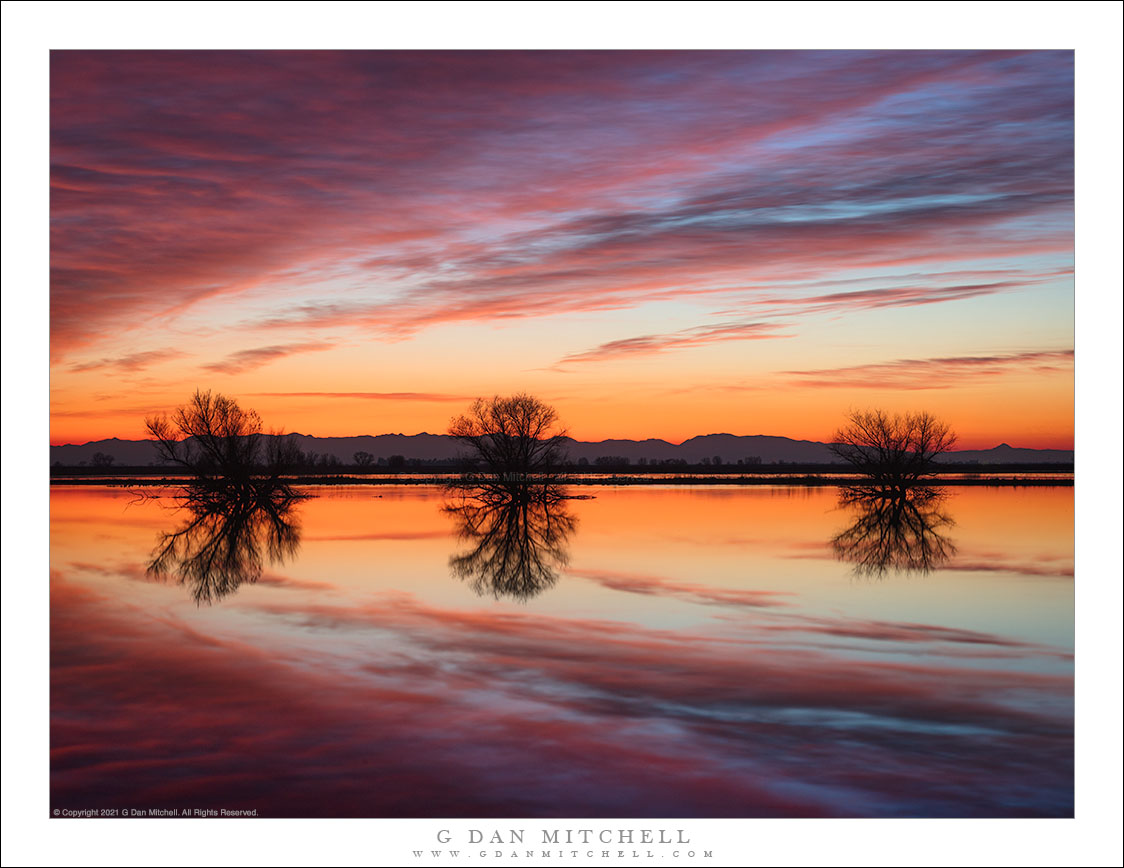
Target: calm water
(647,652)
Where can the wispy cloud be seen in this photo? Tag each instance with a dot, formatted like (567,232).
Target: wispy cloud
(131,362)
(512,184)
(896,296)
(435,397)
(692,337)
(935,373)
(138,411)
(247,360)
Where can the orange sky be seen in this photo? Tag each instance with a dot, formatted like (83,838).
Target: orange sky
(661,244)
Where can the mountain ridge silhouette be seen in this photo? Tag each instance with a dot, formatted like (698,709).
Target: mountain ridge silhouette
(730,448)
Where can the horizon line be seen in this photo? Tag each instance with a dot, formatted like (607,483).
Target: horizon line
(576,440)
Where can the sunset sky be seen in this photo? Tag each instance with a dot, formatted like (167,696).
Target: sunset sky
(661,244)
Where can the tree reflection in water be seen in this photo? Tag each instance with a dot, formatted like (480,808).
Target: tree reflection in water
(518,537)
(900,532)
(227,538)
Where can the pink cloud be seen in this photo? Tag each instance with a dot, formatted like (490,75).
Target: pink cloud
(469,185)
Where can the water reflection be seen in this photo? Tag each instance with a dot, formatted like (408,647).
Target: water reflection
(227,539)
(900,532)
(518,536)
(704,661)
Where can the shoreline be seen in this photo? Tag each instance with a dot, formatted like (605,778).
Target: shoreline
(620,480)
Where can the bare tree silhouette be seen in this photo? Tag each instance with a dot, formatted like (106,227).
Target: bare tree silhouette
(222,445)
(893,451)
(226,540)
(518,541)
(512,439)
(903,533)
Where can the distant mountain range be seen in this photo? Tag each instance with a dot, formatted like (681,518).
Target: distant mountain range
(730,448)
